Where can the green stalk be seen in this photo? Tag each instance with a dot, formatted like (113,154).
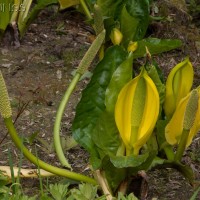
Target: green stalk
(11,170)
(100,176)
(121,150)
(182,145)
(82,68)
(57,142)
(55,170)
(169,152)
(39,175)
(86,10)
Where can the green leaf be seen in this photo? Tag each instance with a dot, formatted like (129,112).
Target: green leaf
(160,132)
(88,190)
(117,168)
(140,11)
(46,197)
(85,192)
(138,8)
(129,161)
(153,73)
(20,196)
(155,46)
(133,16)
(4,190)
(140,162)
(131,196)
(92,105)
(135,163)
(4,180)
(120,77)
(105,135)
(129,26)
(110,8)
(58,191)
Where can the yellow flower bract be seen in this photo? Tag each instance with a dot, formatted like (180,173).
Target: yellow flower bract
(174,128)
(178,85)
(136,111)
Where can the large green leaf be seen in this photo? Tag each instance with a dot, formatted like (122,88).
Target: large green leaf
(155,46)
(105,135)
(160,132)
(140,162)
(129,161)
(92,105)
(110,8)
(139,10)
(154,74)
(120,77)
(129,26)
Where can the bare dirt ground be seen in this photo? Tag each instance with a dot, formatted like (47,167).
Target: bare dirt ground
(39,71)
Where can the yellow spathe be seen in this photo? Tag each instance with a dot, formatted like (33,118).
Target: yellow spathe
(136,111)
(174,128)
(178,85)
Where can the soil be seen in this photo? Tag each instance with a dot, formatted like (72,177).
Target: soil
(38,72)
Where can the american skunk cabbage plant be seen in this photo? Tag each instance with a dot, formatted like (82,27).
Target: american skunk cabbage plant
(124,140)
(128,122)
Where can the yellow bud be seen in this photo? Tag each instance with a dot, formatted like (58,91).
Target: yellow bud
(186,116)
(178,85)
(5,108)
(116,36)
(136,111)
(132,46)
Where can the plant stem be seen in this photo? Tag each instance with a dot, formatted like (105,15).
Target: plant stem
(82,68)
(11,170)
(169,153)
(86,10)
(121,150)
(104,184)
(181,145)
(57,142)
(40,163)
